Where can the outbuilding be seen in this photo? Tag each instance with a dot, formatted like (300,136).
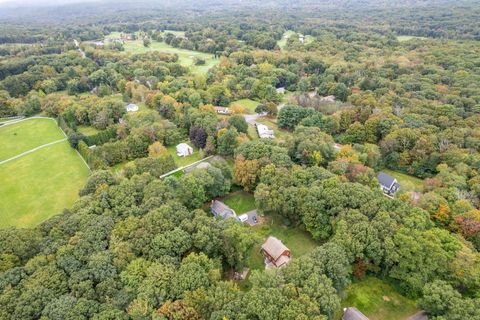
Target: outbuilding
(184,150)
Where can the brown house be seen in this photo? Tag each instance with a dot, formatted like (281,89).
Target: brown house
(275,252)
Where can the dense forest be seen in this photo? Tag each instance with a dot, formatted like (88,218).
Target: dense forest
(377,86)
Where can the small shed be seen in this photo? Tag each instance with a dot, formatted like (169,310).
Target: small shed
(353,313)
(132,107)
(221,210)
(184,150)
(388,184)
(281,90)
(275,252)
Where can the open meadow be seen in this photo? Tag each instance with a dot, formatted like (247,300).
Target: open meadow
(42,183)
(185,57)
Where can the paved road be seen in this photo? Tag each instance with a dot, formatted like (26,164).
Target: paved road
(32,150)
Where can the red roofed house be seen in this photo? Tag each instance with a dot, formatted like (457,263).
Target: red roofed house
(275,252)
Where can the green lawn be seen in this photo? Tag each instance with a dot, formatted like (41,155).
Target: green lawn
(184,161)
(378,300)
(26,135)
(283,42)
(297,240)
(280,134)
(240,201)
(248,104)
(87,130)
(40,185)
(252,132)
(186,57)
(407,182)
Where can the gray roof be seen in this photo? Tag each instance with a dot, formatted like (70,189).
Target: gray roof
(221,209)
(353,313)
(386,180)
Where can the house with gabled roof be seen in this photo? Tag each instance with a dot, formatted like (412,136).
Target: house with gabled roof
(388,184)
(275,252)
(221,210)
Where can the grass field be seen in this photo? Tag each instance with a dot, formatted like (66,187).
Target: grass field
(26,135)
(87,130)
(185,57)
(377,300)
(407,182)
(248,104)
(184,161)
(240,201)
(407,38)
(40,185)
(280,134)
(283,42)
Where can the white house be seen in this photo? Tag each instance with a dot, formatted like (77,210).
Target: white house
(264,132)
(222,110)
(184,150)
(281,90)
(132,108)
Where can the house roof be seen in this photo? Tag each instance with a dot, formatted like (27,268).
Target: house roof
(222,209)
(353,313)
(386,180)
(183,146)
(274,247)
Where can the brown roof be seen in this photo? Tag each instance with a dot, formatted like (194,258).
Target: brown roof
(274,247)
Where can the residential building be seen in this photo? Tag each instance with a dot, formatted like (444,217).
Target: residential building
(353,313)
(221,210)
(388,184)
(222,110)
(281,90)
(275,252)
(184,150)
(264,131)
(132,107)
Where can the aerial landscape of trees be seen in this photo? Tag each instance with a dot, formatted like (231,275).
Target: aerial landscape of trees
(394,89)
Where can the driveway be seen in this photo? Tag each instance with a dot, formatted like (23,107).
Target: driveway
(250,118)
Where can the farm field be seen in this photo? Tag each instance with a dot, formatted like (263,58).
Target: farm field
(27,134)
(186,57)
(407,182)
(39,185)
(378,300)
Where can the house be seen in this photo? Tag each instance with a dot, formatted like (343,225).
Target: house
(98,43)
(388,184)
(264,132)
(222,110)
(328,99)
(281,90)
(301,38)
(353,313)
(221,210)
(132,108)
(184,150)
(275,252)
(312,94)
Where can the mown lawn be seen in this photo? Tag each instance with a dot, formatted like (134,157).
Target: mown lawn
(39,185)
(407,38)
(184,161)
(377,300)
(280,134)
(248,104)
(240,201)
(87,130)
(26,135)
(185,57)
(407,182)
(283,42)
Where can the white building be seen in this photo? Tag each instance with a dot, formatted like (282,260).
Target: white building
(264,132)
(281,90)
(132,108)
(184,150)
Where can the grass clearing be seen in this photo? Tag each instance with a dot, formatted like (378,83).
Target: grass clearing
(87,130)
(185,161)
(407,182)
(40,185)
(280,134)
(240,201)
(407,38)
(282,43)
(248,104)
(27,134)
(378,300)
(185,57)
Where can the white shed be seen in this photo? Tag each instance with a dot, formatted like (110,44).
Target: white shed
(132,108)
(184,150)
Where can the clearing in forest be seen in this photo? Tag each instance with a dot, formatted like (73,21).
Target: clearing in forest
(39,184)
